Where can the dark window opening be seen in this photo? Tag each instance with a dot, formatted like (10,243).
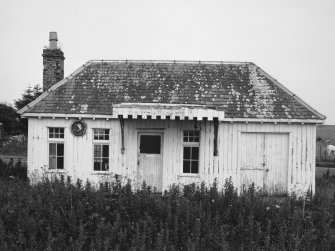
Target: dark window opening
(101,157)
(56,155)
(150,144)
(191,144)
(191,160)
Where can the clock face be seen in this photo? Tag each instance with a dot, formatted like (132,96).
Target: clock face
(78,128)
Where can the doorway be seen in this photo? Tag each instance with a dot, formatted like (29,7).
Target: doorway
(264,161)
(150,159)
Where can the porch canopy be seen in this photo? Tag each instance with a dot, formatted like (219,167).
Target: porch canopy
(164,111)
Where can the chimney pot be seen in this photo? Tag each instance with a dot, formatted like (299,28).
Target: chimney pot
(53,40)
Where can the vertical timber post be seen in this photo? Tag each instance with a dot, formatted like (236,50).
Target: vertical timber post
(216,127)
(122,133)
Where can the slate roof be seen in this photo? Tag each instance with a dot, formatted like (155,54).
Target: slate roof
(242,90)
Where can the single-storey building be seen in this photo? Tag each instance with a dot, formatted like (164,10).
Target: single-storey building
(170,122)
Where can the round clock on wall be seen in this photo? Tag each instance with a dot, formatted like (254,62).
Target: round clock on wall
(78,128)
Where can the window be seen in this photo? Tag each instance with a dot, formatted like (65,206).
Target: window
(150,144)
(101,149)
(56,133)
(191,145)
(56,148)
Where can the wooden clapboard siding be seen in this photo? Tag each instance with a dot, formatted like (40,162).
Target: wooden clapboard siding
(301,152)
(300,173)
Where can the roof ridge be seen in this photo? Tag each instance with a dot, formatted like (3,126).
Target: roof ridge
(166,61)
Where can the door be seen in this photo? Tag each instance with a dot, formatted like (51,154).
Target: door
(252,161)
(150,159)
(264,161)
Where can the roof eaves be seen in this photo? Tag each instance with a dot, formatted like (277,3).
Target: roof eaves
(54,87)
(321,116)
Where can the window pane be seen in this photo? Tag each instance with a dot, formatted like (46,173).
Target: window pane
(105,152)
(195,153)
(60,149)
(97,165)
(97,150)
(187,153)
(194,166)
(61,130)
(52,162)
(105,166)
(52,149)
(150,144)
(60,162)
(186,166)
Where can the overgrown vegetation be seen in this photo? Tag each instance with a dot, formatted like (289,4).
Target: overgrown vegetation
(61,215)
(11,170)
(14,147)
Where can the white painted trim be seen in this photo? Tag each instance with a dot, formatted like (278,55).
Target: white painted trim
(54,87)
(157,105)
(255,120)
(175,110)
(63,115)
(231,120)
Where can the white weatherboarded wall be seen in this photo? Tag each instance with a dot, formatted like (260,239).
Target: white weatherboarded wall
(234,146)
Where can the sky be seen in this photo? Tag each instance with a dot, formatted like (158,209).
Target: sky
(292,40)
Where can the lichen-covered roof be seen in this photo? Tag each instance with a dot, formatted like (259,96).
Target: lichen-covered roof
(242,90)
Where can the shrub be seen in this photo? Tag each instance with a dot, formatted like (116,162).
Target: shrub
(62,215)
(9,170)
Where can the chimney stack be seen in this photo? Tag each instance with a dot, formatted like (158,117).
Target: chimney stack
(53,63)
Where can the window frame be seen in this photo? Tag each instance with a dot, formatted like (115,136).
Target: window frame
(56,140)
(191,145)
(101,142)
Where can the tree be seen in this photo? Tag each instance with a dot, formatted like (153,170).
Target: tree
(9,118)
(29,95)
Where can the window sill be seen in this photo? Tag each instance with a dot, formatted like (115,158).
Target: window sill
(189,175)
(62,171)
(101,173)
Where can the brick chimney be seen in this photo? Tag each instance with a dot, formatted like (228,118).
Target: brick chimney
(53,63)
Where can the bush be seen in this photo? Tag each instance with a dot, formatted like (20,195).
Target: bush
(60,215)
(8,170)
